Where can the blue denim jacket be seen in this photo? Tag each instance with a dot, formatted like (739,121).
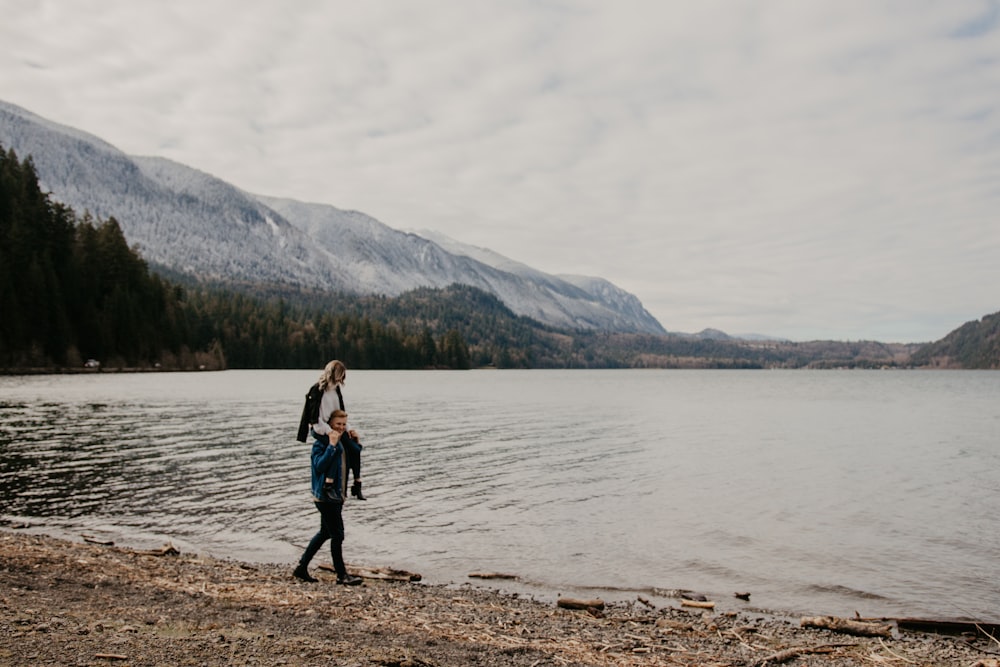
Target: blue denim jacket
(329,461)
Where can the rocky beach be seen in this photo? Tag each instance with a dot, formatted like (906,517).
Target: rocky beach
(77,603)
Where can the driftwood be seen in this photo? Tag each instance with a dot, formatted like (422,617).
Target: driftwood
(794,652)
(667,624)
(93,540)
(381,573)
(110,656)
(945,627)
(384,573)
(575,603)
(165,550)
(491,575)
(701,604)
(847,626)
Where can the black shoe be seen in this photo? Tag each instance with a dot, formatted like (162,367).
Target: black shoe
(350,580)
(303,574)
(356,491)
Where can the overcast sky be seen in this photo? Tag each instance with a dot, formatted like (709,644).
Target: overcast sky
(808,169)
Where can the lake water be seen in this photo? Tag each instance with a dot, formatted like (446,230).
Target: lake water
(819,492)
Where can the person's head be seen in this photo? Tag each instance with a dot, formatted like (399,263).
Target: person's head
(335,373)
(338,421)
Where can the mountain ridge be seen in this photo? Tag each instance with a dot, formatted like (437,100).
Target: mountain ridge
(568,284)
(194,223)
(973,345)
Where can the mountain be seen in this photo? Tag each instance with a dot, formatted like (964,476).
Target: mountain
(572,293)
(191,222)
(179,218)
(974,345)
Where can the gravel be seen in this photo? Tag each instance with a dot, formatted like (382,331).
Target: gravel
(75,603)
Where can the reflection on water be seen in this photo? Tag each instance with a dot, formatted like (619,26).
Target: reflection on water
(819,492)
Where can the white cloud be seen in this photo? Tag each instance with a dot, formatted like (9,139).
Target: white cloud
(813,169)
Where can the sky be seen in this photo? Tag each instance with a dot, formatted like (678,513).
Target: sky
(804,169)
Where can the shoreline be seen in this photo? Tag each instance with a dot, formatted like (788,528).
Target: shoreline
(63,601)
(513,583)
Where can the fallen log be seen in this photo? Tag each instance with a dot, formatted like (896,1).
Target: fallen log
(576,603)
(384,573)
(646,602)
(380,573)
(945,627)
(666,623)
(491,575)
(795,652)
(165,550)
(847,626)
(701,604)
(94,540)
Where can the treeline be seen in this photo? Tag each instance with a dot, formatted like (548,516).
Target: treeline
(280,326)
(72,290)
(258,330)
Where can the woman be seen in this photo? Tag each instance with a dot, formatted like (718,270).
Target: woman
(333,377)
(329,487)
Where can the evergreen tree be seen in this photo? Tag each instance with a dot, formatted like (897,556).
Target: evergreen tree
(71,288)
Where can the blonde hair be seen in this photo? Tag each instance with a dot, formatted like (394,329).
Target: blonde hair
(335,373)
(337,413)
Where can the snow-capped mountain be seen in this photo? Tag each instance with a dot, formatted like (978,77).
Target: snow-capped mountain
(567,286)
(192,222)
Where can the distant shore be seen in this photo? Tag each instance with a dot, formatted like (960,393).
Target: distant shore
(65,602)
(100,371)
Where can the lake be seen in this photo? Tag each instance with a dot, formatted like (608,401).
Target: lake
(819,492)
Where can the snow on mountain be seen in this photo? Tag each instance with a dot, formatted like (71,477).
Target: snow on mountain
(575,293)
(192,222)
(178,217)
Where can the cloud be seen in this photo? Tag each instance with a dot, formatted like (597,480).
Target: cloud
(800,169)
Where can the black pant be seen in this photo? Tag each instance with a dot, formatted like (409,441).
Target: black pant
(353,451)
(331,528)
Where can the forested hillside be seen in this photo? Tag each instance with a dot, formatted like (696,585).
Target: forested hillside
(975,344)
(72,290)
